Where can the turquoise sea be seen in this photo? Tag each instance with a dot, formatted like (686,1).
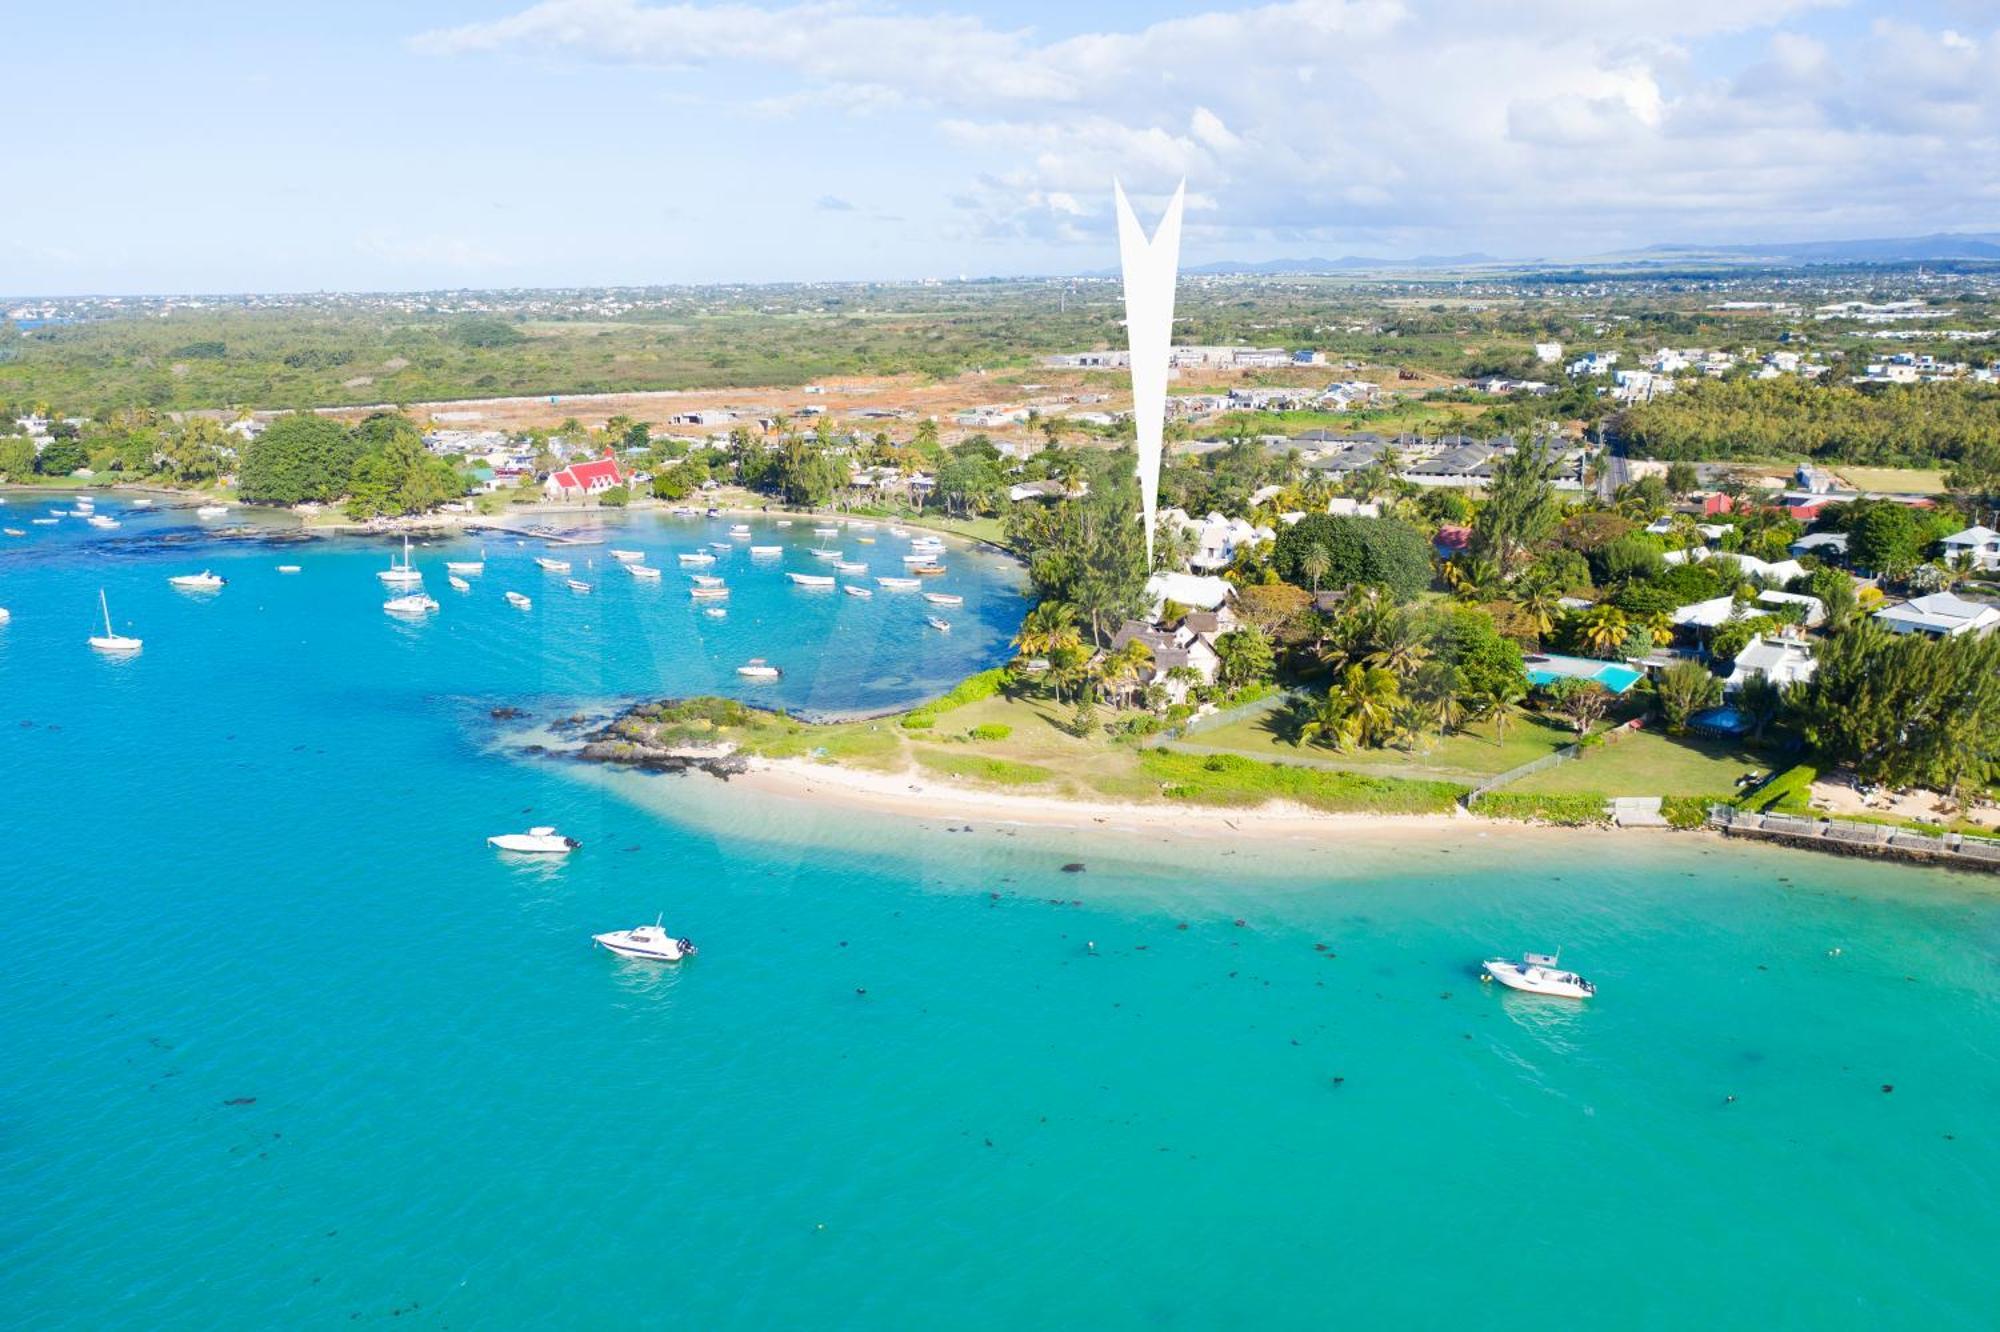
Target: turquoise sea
(283,1045)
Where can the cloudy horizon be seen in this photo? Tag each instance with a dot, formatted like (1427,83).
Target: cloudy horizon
(483,143)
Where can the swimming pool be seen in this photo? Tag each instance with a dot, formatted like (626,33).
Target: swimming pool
(1613,675)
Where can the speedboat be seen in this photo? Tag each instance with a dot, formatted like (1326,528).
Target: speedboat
(696,557)
(850,566)
(758,669)
(898,584)
(535,841)
(457,584)
(110,640)
(942,626)
(553,566)
(518,601)
(647,943)
(643,571)
(853,591)
(404,574)
(201,582)
(944,598)
(767,550)
(1539,973)
(212,511)
(410,604)
(288,568)
(626,556)
(578,585)
(811,580)
(708,593)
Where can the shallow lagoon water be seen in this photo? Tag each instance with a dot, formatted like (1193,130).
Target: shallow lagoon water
(247,867)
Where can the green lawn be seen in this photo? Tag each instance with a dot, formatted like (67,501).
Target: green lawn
(1471,753)
(1649,763)
(1896,480)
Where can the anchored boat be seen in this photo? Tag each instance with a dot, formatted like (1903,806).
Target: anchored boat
(1539,973)
(646,943)
(536,841)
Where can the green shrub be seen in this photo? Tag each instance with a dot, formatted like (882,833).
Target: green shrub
(1566,811)
(919,720)
(1790,792)
(972,689)
(1685,811)
(990,731)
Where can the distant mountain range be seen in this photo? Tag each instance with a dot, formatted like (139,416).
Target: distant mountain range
(1230,267)
(1890,250)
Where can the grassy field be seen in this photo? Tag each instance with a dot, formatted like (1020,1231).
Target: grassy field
(1648,763)
(1896,480)
(1470,754)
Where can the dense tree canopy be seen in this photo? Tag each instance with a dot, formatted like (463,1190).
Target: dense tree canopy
(1916,424)
(1382,552)
(300,457)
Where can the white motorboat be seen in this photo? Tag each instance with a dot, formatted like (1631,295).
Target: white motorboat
(758,669)
(411,604)
(826,531)
(477,566)
(110,640)
(715,612)
(58,513)
(811,580)
(626,556)
(535,841)
(142,504)
(288,568)
(899,584)
(200,582)
(944,598)
(5,615)
(696,557)
(552,566)
(853,591)
(767,550)
(578,585)
(212,511)
(705,580)
(709,593)
(740,530)
(43,522)
(404,574)
(720,545)
(784,522)
(646,943)
(645,572)
(942,626)
(519,602)
(457,584)
(850,566)
(912,561)
(862,527)
(14,531)
(103,521)
(1539,973)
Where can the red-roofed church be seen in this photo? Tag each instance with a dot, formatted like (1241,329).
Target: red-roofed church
(581,480)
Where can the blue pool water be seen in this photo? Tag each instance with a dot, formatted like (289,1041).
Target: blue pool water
(286,1046)
(1613,675)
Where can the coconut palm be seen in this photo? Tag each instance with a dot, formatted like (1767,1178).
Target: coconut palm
(1122,669)
(1372,697)
(1495,700)
(1049,626)
(1540,601)
(1328,723)
(1605,629)
(1315,564)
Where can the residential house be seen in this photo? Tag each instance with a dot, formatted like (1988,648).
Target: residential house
(1815,609)
(1941,615)
(1828,546)
(1782,661)
(1595,363)
(1188,644)
(1975,548)
(1548,353)
(1196,590)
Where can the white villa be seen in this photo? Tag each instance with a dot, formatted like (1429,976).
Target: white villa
(1942,615)
(1782,661)
(1974,548)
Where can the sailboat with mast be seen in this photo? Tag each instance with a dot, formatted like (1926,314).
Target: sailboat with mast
(404,574)
(111,640)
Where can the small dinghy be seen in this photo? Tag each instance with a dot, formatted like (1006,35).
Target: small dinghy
(644,572)
(578,585)
(850,567)
(288,568)
(535,842)
(942,626)
(43,522)
(716,612)
(740,530)
(212,511)
(457,584)
(14,531)
(811,580)
(411,605)
(826,531)
(102,521)
(477,566)
(519,602)
(925,570)
(696,557)
(709,593)
(758,669)
(820,554)
(552,566)
(764,551)
(720,545)
(1539,973)
(705,580)
(944,598)
(853,591)
(899,584)
(627,556)
(646,943)
(200,582)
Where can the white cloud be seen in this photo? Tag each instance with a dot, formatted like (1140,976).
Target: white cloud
(1543,125)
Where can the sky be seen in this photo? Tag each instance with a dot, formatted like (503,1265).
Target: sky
(240,145)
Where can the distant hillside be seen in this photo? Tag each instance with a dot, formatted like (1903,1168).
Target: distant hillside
(1228,267)
(1937,248)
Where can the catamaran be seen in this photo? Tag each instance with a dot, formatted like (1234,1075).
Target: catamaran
(404,574)
(110,640)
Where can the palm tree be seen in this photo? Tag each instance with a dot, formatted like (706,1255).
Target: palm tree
(1328,723)
(1315,564)
(1122,669)
(1069,669)
(1371,697)
(1605,629)
(1495,700)
(1048,627)
(1400,648)
(1540,601)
